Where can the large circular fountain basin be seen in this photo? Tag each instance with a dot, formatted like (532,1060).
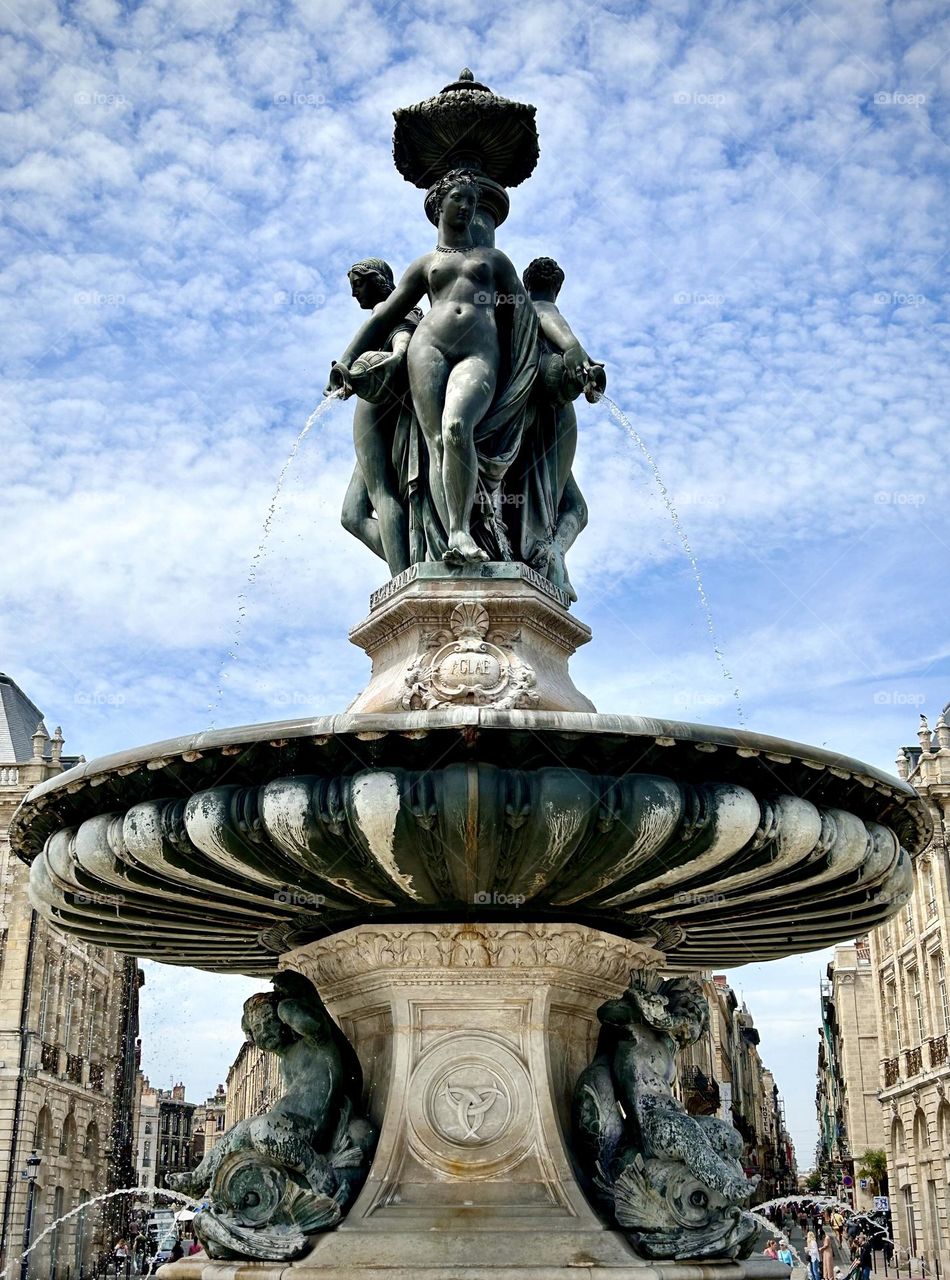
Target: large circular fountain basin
(226,849)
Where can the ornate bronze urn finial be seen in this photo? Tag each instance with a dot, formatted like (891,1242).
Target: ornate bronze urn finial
(466,126)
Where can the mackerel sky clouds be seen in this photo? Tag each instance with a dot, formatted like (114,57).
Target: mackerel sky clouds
(749,202)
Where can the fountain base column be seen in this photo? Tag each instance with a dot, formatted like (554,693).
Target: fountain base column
(471,1038)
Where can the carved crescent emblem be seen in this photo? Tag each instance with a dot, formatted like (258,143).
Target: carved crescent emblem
(472,1105)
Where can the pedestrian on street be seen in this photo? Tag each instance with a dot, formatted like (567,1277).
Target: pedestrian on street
(785,1253)
(770,1250)
(867,1258)
(811,1250)
(827,1253)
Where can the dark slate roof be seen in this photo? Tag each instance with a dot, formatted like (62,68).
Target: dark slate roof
(19,718)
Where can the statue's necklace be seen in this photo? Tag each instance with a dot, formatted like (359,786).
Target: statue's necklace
(444,248)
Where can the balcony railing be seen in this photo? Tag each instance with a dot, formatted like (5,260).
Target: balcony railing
(49,1058)
(913,1059)
(9,775)
(74,1068)
(97,1077)
(701,1094)
(891,1070)
(938,1051)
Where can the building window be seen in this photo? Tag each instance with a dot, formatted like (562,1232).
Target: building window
(148,1126)
(165,1122)
(176,1125)
(146,1153)
(893,1004)
(909,918)
(46,1000)
(92,1015)
(70,1014)
(931,891)
(909,1218)
(917,1002)
(943,997)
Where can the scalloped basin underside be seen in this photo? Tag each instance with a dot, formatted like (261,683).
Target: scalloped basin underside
(226,849)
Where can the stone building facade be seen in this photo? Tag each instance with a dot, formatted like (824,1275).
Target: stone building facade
(253,1084)
(165,1137)
(209,1124)
(723,1074)
(849,1112)
(910,973)
(68,1041)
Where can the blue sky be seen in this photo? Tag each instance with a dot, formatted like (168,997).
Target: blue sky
(749,202)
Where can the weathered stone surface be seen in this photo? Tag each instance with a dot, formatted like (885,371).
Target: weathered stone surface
(494,635)
(689,834)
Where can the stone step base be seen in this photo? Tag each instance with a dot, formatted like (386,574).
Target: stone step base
(477,1255)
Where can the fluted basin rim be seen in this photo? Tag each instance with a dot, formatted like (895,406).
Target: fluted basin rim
(740,752)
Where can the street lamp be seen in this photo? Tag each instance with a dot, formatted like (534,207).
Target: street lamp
(30,1173)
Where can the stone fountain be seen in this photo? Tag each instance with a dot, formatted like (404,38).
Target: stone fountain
(479,901)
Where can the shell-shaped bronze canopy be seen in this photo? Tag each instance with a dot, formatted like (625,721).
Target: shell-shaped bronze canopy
(466,125)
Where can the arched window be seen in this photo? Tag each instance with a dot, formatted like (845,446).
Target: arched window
(91,1145)
(41,1138)
(921,1131)
(898,1144)
(67,1139)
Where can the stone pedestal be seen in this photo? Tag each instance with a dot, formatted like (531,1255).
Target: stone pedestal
(471,1039)
(489,635)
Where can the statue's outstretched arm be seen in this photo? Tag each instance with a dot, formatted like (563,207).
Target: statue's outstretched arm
(558,332)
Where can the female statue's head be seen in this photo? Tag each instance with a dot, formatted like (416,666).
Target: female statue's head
(371,281)
(455,198)
(543,278)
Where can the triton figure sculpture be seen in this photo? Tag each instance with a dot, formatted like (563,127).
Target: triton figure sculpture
(275,1178)
(672,1180)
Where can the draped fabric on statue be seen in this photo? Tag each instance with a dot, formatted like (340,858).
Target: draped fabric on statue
(498,441)
(534,486)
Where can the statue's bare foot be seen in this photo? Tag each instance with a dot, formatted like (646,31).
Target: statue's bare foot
(465,547)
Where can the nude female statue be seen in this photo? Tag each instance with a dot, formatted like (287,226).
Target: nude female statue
(374,486)
(454,356)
